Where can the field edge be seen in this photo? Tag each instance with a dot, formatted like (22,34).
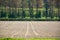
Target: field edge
(29,38)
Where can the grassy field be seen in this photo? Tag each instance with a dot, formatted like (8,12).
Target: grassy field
(29,38)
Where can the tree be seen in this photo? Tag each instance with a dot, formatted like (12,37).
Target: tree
(30,5)
(38,14)
(44,13)
(19,13)
(46,5)
(3,14)
(23,12)
(12,14)
(31,12)
(51,12)
(57,5)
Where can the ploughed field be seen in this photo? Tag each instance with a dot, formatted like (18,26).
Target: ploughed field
(29,29)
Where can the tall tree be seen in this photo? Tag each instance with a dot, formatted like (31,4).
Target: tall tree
(57,5)
(3,14)
(46,5)
(11,11)
(23,11)
(38,12)
(51,12)
(30,5)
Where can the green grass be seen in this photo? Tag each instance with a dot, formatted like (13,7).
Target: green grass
(29,38)
(28,19)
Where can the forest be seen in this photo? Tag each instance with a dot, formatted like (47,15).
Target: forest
(36,10)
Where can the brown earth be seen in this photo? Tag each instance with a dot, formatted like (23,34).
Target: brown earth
(26,29)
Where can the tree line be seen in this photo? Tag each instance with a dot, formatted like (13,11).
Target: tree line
(48,12)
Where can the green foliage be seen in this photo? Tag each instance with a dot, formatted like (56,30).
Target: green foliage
(31,12)
(12,15)
(23,14)
(18,14)
(2,14)
(51,14)
(46,14)
(38,14)
(59,15)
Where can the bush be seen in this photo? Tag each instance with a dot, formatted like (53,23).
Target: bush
(23,14)
(3,14)
(12,15)
(38,14)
